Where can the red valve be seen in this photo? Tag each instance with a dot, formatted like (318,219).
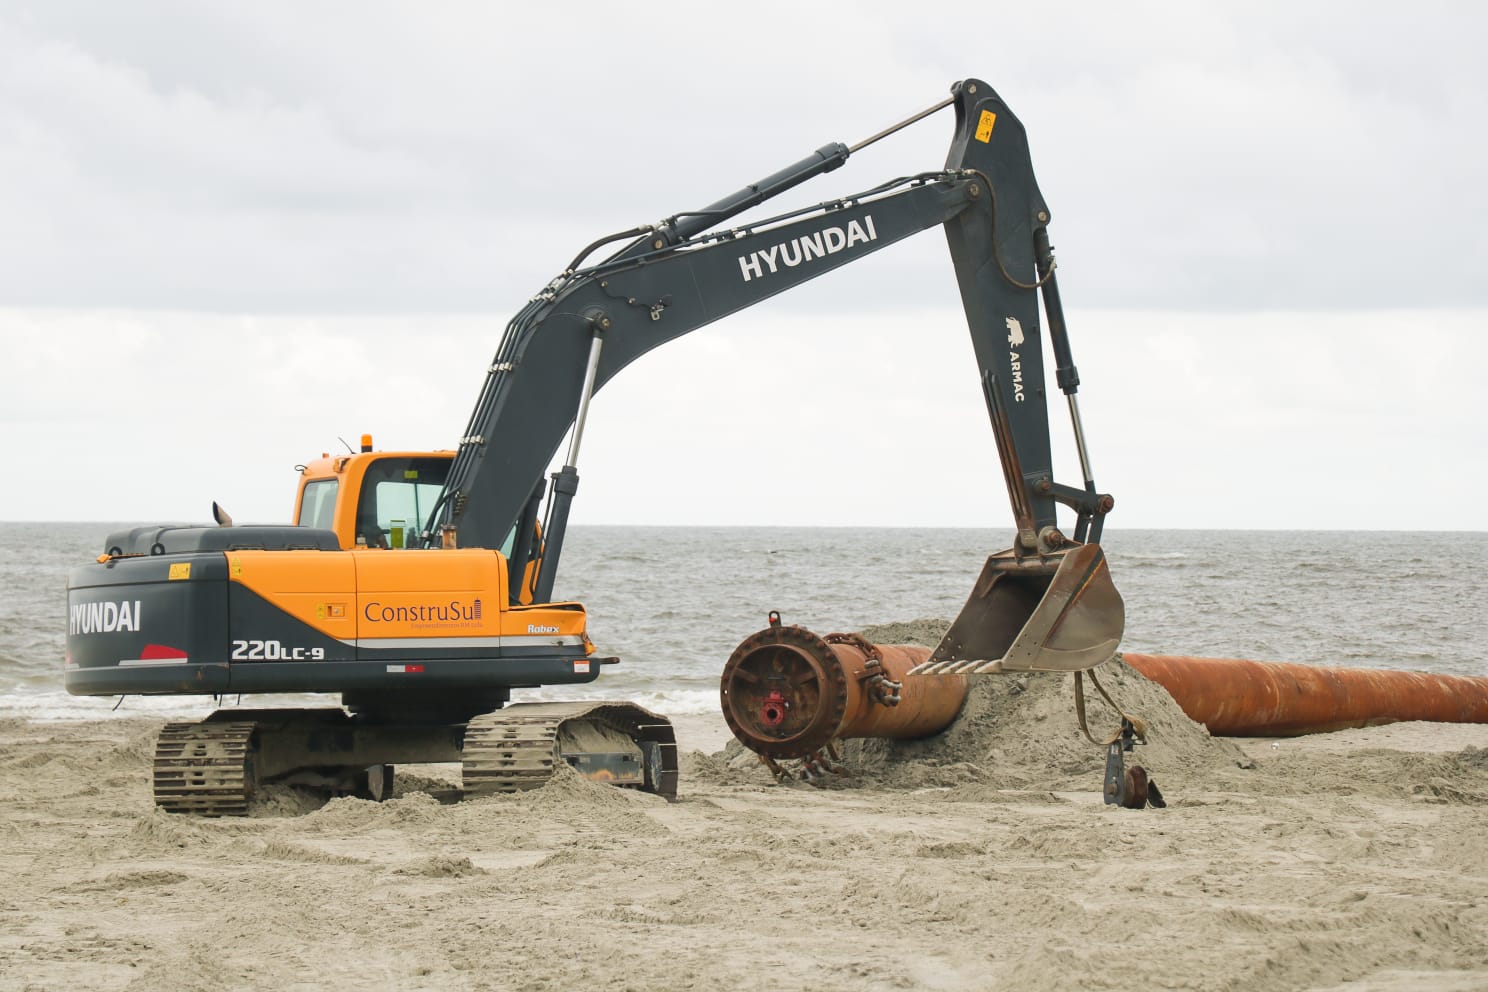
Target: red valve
(772,710)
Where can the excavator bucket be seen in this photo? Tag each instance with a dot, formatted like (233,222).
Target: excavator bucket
(1058,613)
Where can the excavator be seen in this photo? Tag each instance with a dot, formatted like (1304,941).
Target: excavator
(419,585)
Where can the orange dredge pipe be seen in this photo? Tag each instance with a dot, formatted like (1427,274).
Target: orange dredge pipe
(1234,697)
(787,692)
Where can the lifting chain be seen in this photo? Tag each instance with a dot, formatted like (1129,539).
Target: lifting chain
(881,688)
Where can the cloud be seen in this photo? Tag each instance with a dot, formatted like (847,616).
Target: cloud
(384,158)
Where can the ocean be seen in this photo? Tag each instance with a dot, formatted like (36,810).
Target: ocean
(673,602)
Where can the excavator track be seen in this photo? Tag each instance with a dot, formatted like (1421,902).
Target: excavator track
(205,769)
(504,754)
(517,748)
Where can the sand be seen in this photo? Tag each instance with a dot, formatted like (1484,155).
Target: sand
(1356,860)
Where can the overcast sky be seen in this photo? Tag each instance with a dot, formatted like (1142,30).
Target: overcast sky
(230,233)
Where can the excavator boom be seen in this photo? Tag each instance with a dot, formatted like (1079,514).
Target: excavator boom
(590,323)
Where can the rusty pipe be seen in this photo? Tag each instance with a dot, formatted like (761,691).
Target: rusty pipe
(1235,697)
(787,692)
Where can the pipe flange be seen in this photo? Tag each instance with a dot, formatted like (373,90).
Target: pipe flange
(784,693)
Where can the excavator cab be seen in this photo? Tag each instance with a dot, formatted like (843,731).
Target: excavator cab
(377,499)
(384,499)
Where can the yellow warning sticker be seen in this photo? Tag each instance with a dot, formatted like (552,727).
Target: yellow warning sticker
(180,570)
(984,126)
(235,567)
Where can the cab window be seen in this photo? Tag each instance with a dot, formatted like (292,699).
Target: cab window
(398,494)
(318,504)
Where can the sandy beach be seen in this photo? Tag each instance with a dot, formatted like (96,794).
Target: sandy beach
(981,859)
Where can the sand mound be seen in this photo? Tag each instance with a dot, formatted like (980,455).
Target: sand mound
(568,790)
(274,800)
(1021,731)
(348,812)
(159,832)
(441,866)
(278,849)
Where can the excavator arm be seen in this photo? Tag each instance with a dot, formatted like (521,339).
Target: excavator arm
(616,312)
(688,271)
